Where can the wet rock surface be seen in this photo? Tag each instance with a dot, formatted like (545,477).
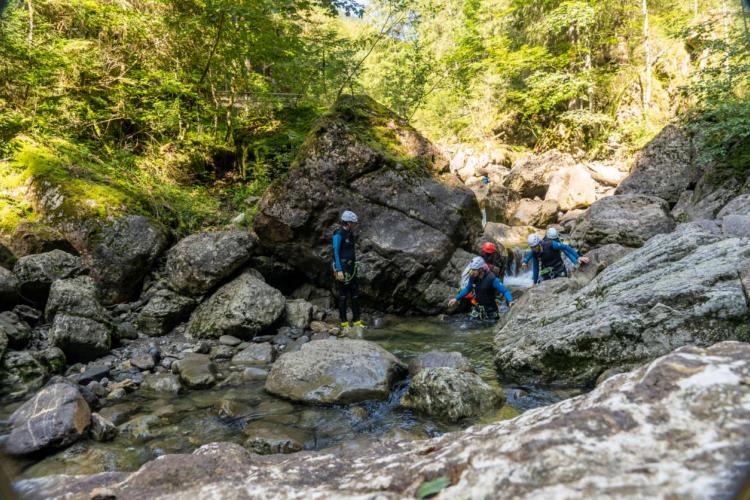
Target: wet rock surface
(438,359)
(335,371)
(663,414)
(679,288)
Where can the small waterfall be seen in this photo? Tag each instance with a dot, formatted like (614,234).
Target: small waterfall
(515,275)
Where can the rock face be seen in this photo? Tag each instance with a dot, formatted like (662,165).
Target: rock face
(56,416)
(199,262)
(165,310)
(738,206)
(450,394)
(663,415)
(530,176)
(242,308)
(663,168)
(335,371)
(36,273)
(572,187)
(679,288)
(628,220)
(364,158)
(298,313)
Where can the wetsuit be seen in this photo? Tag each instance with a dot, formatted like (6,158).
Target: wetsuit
(345,260)
(484,289)
(548,263)
(496,262)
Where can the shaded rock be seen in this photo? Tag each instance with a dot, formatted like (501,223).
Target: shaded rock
(95,372)
(56,416)
(121,252)
(16,331)
(664,168)
(102,429)
(253,355)
(628,220)
(221,352)
(143,362)
(547,213)
(298,313)
(162,382)
(36,272)
(439,359)
(598,443)
(81,339)
(572,187)
(266,438)
(7,259)
(335,371)
(196,371)
(242,308)
(52,358)
(36,237)
(198,263)
(20,373)
(165,310)
(526,212)
(530,176)
(450,394)
(390,176)
(738,206)
(75,297)
(679,288)
(28,314)
(8,289)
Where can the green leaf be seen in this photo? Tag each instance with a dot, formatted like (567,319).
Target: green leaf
(432,488)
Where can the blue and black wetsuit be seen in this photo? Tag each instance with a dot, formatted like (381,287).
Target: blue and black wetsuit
(548,264)
(484,289)
(345,260)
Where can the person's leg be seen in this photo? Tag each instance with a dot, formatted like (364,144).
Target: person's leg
(342,301)
(354,291)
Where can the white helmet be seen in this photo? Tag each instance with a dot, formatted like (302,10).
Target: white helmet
(551,233)
(476,263)
(349,216)
(534,240)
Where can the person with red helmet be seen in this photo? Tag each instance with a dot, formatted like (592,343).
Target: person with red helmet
(496,259)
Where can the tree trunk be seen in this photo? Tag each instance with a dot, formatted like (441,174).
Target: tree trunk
(647,49)
(725,22)
(31,22)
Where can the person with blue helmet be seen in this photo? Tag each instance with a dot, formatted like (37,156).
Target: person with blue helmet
(546,256)
(345,268)
(484,285)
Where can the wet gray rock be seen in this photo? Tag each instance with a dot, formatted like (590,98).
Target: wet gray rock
(198,263)
(56,416)
(221,352)
(664,414)
(298,313)
(242,308)
(335,371)
(664,168)
(266,438)
(162,382)
(102,429)
(450,394)
(628,220)
(81,339)
(95,372)
(140,428)
(165,310)
(37,272)
(119,413)
(439,359)
(228,340)
(254,355)
(679,288)
(21,372)
(196,371)
(143,362)
(121,252)
(14,329)
(8,289)
(254,373)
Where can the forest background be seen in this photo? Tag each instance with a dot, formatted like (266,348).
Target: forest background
(188,109)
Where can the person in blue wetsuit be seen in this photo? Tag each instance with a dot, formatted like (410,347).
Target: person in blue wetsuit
(345,267)
(546,257)
(484,285)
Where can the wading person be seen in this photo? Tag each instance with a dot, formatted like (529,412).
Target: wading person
(345,268)
(546,258)
(484,285)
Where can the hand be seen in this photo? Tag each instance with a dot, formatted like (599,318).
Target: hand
(584,260)
(511,304)
(452,302)
(340,275)
(525,266)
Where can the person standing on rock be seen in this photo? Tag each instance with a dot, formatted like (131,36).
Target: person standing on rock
(484,285)
(345,267)
(546,258)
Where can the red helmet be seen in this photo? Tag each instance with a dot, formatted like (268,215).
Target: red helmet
(489,248)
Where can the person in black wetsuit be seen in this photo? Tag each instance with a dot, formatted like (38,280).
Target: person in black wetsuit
(345,268)
(546,258)
(484,285)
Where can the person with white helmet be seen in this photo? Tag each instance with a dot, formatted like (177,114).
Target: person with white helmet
(345,267)
(484,285)
(546,256)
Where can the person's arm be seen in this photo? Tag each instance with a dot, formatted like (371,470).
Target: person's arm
(336,250)
(500,288)
(463,292)
(535,267)
(527,256)
(567,250)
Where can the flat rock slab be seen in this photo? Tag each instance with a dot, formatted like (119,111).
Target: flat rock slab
(335,371)
(650,433)
(196,371)
(56,416)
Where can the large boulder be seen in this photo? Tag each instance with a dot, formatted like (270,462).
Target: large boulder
(81,338)
(572,187)
(679,288)
(439,359)
(335,371)
(8,289)
(530,176)
(164,310)
(738,206)
(664,168)
(298,313)
(243,308)
(56,416)
(629,220)
(14,329)
(198,263)
(651,433)
(36,272)
(76,297)
(450,394)
(364,158)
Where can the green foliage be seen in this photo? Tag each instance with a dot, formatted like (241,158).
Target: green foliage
(431,488)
